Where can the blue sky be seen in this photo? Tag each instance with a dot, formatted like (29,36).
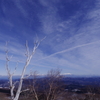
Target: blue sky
(71,27)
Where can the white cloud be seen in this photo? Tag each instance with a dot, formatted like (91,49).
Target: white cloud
(73,48)
(80,50)
(20,7)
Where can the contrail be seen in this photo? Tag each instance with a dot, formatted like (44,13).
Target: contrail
(66,50)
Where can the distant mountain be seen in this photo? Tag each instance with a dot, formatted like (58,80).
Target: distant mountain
(41,76)
(3,77)
(6,77)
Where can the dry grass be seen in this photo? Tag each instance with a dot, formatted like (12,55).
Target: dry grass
(3,96)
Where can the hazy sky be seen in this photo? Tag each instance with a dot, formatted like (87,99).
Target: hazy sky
(71,27)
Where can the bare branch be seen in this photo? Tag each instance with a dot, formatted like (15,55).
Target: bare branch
(15,83)
(15,68)
(27,49)
(24,90)
(7,63)
(43,39)
(27,76)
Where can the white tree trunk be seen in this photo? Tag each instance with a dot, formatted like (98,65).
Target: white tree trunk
(21,79)
(29,57)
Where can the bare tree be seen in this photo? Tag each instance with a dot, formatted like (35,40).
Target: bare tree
(10,75)
(47,88)
(54,83)
(34,86)
(91,93)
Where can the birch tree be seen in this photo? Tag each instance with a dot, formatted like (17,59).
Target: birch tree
(27,62)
